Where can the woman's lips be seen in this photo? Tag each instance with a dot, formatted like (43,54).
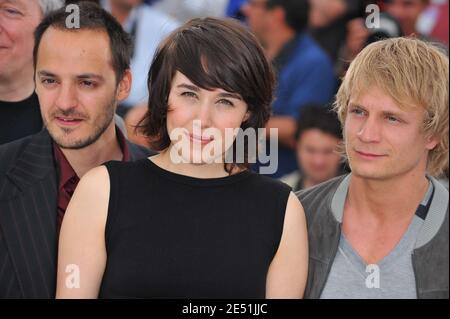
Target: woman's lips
(200,139)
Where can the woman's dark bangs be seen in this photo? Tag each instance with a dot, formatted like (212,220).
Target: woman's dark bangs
(206,65)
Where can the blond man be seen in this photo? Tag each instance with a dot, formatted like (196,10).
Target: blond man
(382,231)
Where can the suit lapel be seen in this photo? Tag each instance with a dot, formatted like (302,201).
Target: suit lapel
(28,218)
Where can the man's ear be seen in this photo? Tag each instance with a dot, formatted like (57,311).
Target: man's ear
(431,142)
(124,87)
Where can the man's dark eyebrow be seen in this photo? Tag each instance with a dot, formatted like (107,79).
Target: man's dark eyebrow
(90,76)
(189,87)
(46,73)
(84,76)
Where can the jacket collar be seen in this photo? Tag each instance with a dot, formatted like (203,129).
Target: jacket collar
(34,163)
(37,160)
(432,223)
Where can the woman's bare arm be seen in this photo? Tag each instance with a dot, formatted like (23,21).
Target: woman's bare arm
(82,253)
(289,268)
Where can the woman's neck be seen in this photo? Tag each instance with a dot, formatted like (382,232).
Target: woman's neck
(201,170)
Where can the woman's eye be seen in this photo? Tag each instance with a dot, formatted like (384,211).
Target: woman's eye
(189,94)
(226,102)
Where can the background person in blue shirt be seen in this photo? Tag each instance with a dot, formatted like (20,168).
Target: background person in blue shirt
(304,71)
(233,9)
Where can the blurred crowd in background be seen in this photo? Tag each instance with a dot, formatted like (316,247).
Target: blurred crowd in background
(310,44)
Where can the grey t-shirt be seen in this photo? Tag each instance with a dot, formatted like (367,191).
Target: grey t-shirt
(392,278)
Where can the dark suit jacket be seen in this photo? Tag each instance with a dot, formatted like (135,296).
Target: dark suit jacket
(28,209)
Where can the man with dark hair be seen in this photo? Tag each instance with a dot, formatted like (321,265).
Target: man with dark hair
(317,140)
(305,72)
(80,76)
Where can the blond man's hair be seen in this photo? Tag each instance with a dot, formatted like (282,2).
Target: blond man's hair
(413,73)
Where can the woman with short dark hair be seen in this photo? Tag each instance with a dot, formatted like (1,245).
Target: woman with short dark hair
(192,221)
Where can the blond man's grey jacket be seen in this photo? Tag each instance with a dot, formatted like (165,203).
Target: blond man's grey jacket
(323,206)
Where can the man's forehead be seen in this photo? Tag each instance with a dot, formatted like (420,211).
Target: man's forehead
(59,40)
(80,48)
